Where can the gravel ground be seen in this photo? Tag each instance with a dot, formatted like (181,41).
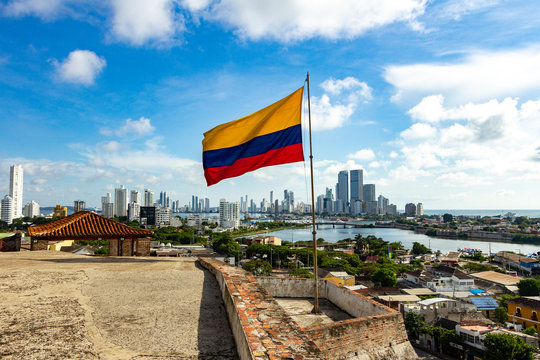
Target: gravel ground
(62,306)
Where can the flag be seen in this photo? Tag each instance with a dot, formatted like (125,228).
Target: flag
(270,136)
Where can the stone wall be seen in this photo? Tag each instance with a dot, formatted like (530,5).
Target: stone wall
(143,247)
(292,287)
(113,247)
(127,247)
(39,245)
(261,328)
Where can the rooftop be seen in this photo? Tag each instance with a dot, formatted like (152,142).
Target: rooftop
(497,277)
(85,224)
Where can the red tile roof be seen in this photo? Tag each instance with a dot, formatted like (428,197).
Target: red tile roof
(85,225)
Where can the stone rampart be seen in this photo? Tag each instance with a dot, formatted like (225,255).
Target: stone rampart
(261,328)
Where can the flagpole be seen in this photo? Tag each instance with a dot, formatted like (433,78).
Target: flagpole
(316,309)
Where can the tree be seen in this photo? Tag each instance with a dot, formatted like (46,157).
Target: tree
(529,287)
(419,249)
(447,218)
(530,331)
(501,315)
(223,243)
(413,323)
(384,277)
(258,267)
(507,346)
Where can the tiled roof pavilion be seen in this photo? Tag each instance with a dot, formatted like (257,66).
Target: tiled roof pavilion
(124,240)
(85,225)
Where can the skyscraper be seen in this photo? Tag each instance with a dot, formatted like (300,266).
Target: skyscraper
(16,190)
(342,190)
(229,214)
(31,209)
(107,207)
(135,197)
(120,201)
(420,209)
(6,209)
(357,185)
(79,205)
(148,197)
(369,192)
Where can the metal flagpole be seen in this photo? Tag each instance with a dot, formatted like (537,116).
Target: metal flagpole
(316,309)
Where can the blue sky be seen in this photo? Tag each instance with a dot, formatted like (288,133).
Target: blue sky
(438,101)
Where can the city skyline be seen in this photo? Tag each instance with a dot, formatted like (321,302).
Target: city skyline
(437,102)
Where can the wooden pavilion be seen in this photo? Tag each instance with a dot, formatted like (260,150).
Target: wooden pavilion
(124,240)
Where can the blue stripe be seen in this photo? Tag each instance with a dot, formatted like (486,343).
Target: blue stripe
(254,147)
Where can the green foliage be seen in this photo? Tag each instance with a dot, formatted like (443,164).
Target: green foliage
(384,277)
(102,251)
(258,267)
(94,243)
(301,273)
(447,218)
(529,287)
(431,232)
(501,315)
(481,267)
(503,299)
(223,243)
(526,238)
(530,331)
(419,249)
(413,323)
(177,236)
(507,346)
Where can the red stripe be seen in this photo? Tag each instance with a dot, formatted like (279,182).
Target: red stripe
(284,155)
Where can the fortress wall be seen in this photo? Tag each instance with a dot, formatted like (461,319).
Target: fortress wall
(261,328)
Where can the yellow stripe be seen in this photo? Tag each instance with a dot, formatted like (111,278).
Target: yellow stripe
(285,113)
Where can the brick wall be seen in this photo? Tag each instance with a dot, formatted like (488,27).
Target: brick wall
(374,337)
(126,246)
(113,247)
(39,245)
(143,247)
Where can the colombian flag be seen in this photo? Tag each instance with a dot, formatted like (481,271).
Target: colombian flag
(270,136)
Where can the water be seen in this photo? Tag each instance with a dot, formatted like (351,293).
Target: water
(406,237)
(532,213)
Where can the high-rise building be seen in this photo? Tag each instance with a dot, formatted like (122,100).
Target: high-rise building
(382,204)
(31,209)
(271,197)
(357,185)
(420,209)
(369,192)
(392,210)
(107,207)
(16,189)
(342,190)
(148,197)
(410,209)
(206,205)
(288,201)
(120,201)
(163,215)
(135,197)
(229,214)
(134,211)
(6,209)
(79,205)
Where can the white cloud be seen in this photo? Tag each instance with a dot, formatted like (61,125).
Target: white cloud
(362,155)
(142,22)
(338,103)
(287,20)
(80,67)
(479,76)
(131,127)
(430,109)
(45,9)
(195,5)
(455,9)
(419,131)
(111,146)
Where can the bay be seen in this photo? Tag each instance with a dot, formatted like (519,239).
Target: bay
(406,237)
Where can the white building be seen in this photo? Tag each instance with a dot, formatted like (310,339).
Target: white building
(120,201)
(135,197)
(16,189)
(163,215)
(107,207)
(148,197)
(134,211)
(31,209)
(420,209)
(6,209)
(229,214)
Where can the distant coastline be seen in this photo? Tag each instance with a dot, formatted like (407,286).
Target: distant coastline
(533,213)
